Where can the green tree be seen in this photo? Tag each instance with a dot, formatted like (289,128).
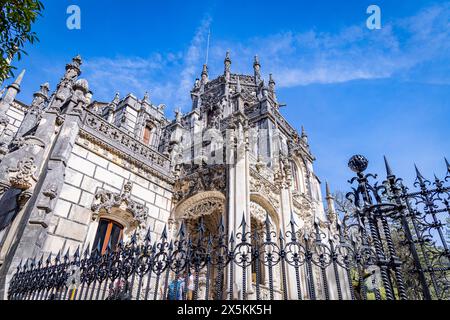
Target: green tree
(16,18)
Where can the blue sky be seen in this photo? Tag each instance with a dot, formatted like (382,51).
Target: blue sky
(355,90)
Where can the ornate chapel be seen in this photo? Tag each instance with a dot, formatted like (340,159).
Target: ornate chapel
(80,173)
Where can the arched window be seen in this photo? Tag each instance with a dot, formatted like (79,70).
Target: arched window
(109,233)
(148,130)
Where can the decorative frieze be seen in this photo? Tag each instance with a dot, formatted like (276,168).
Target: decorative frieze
(198,179)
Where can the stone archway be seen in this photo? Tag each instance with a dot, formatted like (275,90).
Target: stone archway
(209,204)
(259,205)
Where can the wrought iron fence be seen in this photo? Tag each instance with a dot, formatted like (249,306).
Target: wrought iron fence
(391,245)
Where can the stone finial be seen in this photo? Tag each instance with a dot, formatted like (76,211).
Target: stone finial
(238,86)
(75,64)
(257,70)
(205,74)
(178,115)
(11,92)
(17,82)
(271,83)
(44,89)
(146,97)
(256,62)
(82,85)
(304,136)
(227,62)
(127,187)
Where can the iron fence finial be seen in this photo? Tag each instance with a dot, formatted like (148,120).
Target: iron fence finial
(389,173)
(358,163)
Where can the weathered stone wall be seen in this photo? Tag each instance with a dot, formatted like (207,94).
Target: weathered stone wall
(15,114)
(89,169)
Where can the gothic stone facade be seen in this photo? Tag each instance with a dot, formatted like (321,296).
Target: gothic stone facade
(69,163)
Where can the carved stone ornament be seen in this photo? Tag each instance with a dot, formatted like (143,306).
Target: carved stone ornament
(210,178)
(106,200)
(4,120)
(22,177)
(50,193)
(266,189)
(257,212)
(202,204)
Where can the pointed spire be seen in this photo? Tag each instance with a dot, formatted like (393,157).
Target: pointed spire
(327,188)
(16,84)
(11,92)
(388,168)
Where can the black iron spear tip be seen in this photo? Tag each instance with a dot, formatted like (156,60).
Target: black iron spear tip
(164,233)
(58,256)
(77,252)
(292,220)
(67,255)
(232,237)
(418,174)
(243,223)
(267,218)
(388,168)
(447,164)
(86,251)
(148,235)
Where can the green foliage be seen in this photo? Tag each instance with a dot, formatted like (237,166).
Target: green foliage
(16,18)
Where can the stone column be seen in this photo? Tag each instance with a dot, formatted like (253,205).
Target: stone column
(239,197)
